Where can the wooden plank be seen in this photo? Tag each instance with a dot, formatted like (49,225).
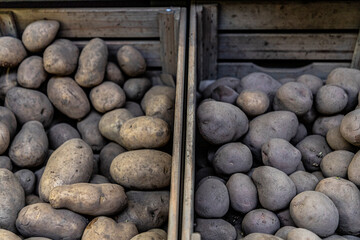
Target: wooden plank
(239,70)
(149,49)
(355,62)
(245,15)
(168,41)
(7,24)
(177,154)
(200,58)
(96,22)
(287,46)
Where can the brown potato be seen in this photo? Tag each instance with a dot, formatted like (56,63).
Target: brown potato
(89,199)
(311,81)
(261,236)
(107,155)
(71,163)
(4,137)
(131,61)
(92,63)
(60,58)
(336,140)
(27,180)
(7,235)
(148,236)
(114,74)
(31,72)
(68,97)
(107,96)
(158,90)
(161,106)
(60,133)
(144,132)
(253,103)
(354,168)
(7,81)
(135,88)
(134,108)
(41,220)
(5,162)
(302,234)
(32,199)
(9,46)
(142,169)
(349,127)
(8,118)
(39,34)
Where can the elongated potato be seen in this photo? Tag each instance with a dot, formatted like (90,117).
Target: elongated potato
(41,220)
(71,163)
(9,46)
(130,60)
(114,74)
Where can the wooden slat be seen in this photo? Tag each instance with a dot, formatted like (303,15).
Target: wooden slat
(240,70)
(149,49)
(98,22)
(355,62)
(245,15)
(199,27)
(287,46)
(7,24)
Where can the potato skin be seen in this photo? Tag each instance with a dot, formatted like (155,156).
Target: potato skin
(89,199)
(134,135)
(92,63)
(12,199)
(304,181)
(336,140)
(31,72)
(131,61)
(157,90)
(60,58)
(353,169)
(39,34)
(330,99)
(7,81)
(4,137)
(261,236)
(349,127)
(135,88)
(27,180)
(41,220)
(322,124)
(71,163)
(148,236)
(213,229)
(107,96)
(302,234)
(114,74)
(253,103)
(68,97)
(311,81)
(60,133)
(9,46)
(107,228)
(7,235)
(260,221)
(29,105)
(107,155)
(336,163)
(142,169)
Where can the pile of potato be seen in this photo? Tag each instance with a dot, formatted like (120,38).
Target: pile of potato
(84,142)
(278,159)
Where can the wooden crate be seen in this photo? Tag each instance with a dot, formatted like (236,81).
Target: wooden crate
(158,33)
(231,38)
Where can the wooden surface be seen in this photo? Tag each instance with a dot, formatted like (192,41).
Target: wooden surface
(7,24)
(311,46)
(355,62)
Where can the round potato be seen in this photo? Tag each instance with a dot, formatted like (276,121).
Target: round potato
(336,140)
(336,163)
(68,97)
(161,106)
(157,90)
(135,88)
(60,133)
(349,127)
(39,34)
(224,93)
(302,234)
(252,102)
(107,96)
(285,217)
(107,155)
(354,168)
(8,118)
(260,221)
(27,180)
(98,179)
(148,236)
(89,130)
(130,60)
(114,74)
(4,137)
(31,72)
(330,99)
(32,199)
(207,86)
(134,108)
(5,234)
(261,236)
(60,58)
(142,169)
(311,81)
(9,46)
(304,181)
(5,162)
(213,229)
(322,124)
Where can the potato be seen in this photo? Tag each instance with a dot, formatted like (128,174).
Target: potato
(130,60)
(335,164)
(284,231)
(89,199)
(349,127)
(304,181)
(5,162)
(309,117)
(7,235)
(27,180)
(41,220)
(98,179)
(302,234)
(8,118)
(350,237)
(301,133)
(31,72)
(318,175)
(60,133)
(37,238)
(159,231)
(330,99)
(353,169)
(346,197)
(285,217)
(4,137)
(89,130)
(311,81)
(144,132)
(336,140)
(203,173)
(211,198)
(315,212)
(161,106)
(29,105)
(313,148)
(12,199)
(107,228)
(142,169)
(293,96)
(9,46)
(207,87)
(32,199)
(68,97)
(107,96)
(147,210)
(111,122)
(39,34)
(275,188)
(148,236)
(214,229)
(134,108)
(135,88)
(220,122)
(107,155)
(334,237)
(7,81)
(261,236)
(92,63)
(224,93)
(157,90)
(60,58)
(232,158)
(71,163)
(279,124)
(260,221)
(322,124)
(280,154)
(252,102)
(114,74)
(30,146)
